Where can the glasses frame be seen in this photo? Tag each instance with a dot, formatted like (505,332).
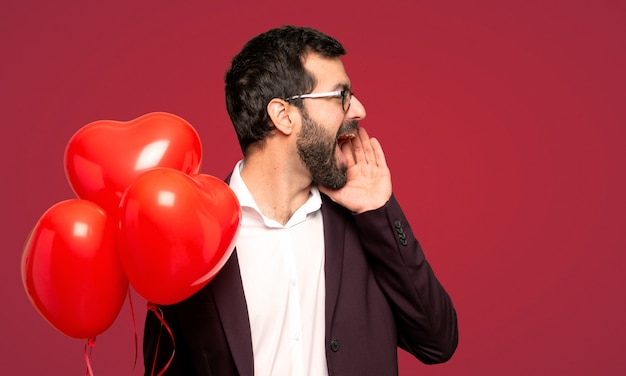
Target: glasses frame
(328,94)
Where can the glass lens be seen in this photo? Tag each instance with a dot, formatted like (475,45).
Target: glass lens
(346,99)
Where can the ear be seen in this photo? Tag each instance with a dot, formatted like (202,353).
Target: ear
(282,115)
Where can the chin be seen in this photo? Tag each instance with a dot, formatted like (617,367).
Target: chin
(334,180)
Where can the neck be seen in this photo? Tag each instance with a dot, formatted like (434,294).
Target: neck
(278,187)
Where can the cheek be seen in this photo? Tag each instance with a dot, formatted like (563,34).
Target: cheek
(329,116)
(335,124)
(328,121)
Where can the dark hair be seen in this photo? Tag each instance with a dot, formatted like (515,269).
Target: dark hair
(270,66)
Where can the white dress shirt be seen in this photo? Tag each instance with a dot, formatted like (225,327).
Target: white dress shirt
(282,270)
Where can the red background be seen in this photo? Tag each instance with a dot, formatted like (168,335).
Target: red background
(503,122)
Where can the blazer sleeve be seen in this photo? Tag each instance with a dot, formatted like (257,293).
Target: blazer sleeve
(425,316)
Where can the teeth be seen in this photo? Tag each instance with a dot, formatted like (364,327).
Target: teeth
(347,136)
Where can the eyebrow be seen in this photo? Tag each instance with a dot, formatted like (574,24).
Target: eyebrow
(341,86)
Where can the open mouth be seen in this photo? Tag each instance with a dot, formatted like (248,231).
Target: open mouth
(342,138)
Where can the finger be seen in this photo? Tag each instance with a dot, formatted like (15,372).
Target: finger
(348,150)
(379,155)
(357,145)
(366,145)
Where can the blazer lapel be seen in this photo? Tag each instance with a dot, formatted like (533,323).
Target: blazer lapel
(334,226)
(230,300)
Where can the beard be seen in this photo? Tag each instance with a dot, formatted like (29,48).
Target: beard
(316,149)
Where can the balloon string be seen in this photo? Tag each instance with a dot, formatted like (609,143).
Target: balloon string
(91,342)
(159,314)
(132,313)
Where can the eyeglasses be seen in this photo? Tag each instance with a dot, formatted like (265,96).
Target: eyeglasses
(346,97)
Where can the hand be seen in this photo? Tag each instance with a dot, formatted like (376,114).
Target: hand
(369,179)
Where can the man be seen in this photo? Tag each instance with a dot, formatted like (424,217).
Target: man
(327,277)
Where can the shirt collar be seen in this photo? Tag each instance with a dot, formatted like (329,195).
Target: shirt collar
(313,203)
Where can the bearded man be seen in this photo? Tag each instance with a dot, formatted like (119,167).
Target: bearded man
(327,277)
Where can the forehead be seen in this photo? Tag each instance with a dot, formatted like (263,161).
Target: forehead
(329,72)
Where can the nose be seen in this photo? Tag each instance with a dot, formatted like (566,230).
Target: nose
(356,110)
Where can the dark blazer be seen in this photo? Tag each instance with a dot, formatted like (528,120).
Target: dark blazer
(380,294)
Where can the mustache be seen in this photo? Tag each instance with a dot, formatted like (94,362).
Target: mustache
(348,126)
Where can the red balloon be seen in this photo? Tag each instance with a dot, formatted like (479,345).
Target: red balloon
(71,269)
(176,232)
(103,157)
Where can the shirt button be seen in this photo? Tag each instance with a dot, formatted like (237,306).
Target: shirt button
(296,336)
(334,345)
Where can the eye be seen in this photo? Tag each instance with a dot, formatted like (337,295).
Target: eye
(346,99)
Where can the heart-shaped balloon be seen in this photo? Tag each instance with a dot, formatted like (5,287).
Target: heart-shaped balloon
(103,157)
(176,232)
(71,269)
